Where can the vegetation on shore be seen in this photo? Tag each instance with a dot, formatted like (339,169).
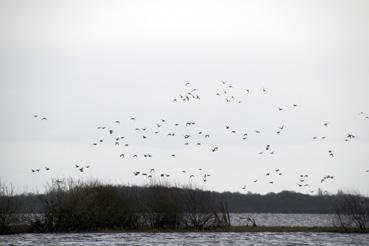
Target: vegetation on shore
(75,206)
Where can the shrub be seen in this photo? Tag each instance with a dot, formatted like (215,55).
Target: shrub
(85,206)
(8,208)
(352,210)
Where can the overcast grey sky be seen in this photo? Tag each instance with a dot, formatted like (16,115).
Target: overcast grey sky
(84,64)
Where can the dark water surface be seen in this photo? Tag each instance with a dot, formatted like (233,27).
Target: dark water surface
(219,238)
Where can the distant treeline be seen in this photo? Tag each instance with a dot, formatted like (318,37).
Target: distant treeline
(283,202)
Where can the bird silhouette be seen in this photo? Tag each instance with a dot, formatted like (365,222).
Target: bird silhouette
(331,153)
(214,149)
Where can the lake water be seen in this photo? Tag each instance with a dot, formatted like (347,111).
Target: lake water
(220,238)
(284,219)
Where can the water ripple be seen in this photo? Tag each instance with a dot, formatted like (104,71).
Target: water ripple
(208,238)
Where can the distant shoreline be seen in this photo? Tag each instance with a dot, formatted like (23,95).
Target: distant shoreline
(20,229)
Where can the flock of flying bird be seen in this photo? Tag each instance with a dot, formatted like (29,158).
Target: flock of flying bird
(191,94)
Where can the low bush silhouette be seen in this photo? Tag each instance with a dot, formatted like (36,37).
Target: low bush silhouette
(8,208)
(352,210)
(93,206)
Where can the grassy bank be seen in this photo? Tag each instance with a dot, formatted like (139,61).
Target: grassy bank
(18,229)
